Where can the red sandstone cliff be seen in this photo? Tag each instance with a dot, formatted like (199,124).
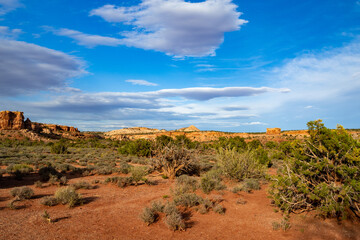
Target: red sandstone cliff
(15,121)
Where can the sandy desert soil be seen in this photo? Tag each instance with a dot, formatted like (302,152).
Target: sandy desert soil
(110,212)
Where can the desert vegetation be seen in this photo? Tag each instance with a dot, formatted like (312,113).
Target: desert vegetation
(319,174)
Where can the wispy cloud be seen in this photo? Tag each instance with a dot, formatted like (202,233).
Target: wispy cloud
(176,27)
(7,33)
(84,39)
(141,82)
(8,6)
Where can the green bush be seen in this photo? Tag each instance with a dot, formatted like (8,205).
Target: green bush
(323,174)
(68,195)
(262,156)
(163,141)
(271,145)
(138,173)
(59,148)
(237,143)
(22,192)
(211,181)
(139,147)
(239,166)
(21,168)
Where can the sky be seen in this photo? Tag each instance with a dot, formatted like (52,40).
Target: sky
(226,65)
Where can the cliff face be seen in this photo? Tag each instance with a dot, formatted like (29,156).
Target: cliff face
(15,121)
(11,120)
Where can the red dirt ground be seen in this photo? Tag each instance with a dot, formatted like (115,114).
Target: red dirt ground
(111,212)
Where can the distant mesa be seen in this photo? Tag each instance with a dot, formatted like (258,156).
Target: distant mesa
(134,130)
(273,131)
(15,121)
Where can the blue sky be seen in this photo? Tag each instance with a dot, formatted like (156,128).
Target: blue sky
(223,65)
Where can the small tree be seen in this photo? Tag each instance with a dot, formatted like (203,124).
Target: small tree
(323,174)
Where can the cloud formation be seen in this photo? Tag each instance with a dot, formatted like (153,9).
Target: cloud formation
(175,27)
(8,6)
(86,40)
(141,82)
(25,68)
(7,33)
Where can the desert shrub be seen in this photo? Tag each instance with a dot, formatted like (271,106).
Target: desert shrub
(22,192)
(254,144)
(157,206)
(247,185)
(170,208)
(59,148)
(237,143)
(187,182)
(271,144)
(45,173)
(49,201)
(163,141)
(104,170)
(139,147)
(239,166)
(20,168)
(124,168)
(185,142)
(38,184)
(262,156)
(219,209)
(82,185)
(173,160)
(211,181)
(68,195)
(323,174)
(138,173)
(124,181)
(175,221)
(148,215)
(187,200)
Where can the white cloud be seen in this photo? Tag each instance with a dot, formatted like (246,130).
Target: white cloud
(25,68)
(84,39)
(7,33)
(141,82)
(8,6)
(175,27)
(321,76)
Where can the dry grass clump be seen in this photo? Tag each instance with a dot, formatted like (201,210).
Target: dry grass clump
(22,193)
(68,195)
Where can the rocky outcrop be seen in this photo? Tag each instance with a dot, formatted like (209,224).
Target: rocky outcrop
(11,120)
(134,130)
(15,121)
(191,128)
(273,131)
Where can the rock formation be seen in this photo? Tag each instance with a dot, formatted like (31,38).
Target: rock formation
(11,120)
(134,130)
(273,131)
(15,121)
(191,128)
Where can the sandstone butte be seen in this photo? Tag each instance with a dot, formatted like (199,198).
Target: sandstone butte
(15,121)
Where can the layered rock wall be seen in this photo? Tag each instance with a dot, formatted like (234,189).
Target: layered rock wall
(11,120)
(15,121)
